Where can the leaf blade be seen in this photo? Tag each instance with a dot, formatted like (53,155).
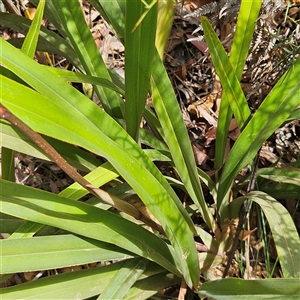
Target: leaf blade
(88,283)
(124,279)
(248,14)
(32,254)
(80,218)
(176,137)
(55,111)
(227,75)
(139,45)
(72,19)
(31,38)
(283,230)
(274,110)
(234,288)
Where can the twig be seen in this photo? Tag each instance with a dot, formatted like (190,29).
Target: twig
(9,5)
(242,215)
(53,155)
(183,290)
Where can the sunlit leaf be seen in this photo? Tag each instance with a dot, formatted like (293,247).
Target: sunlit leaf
(275,109)
(78,284)
(245,27)
(51,252)
(56,113)
(139,44)
(124,279)
(74,25)
(229,80)
(176,136)
(80,218)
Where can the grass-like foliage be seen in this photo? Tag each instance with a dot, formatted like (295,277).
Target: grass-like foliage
(44,116)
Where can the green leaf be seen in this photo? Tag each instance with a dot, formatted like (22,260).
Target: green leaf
(48,40)
(294,115)
(28,229)
(283,230)
(282,175)
(91,282)
(51,14)
(245,27)
(28,47)
(18,141)
(77,77)
(165,20)
(60,111)
(114,14)
(274,110)
(98,177)
(68,115)
(131,169)
(33,254)
(10,224)
(281,191)
(176,137)
(239,289)
(139,45)
(147,287)
(80,218)
(7,163)
(124,279)
(31,38)
(72,19)
(247,17)
(81,284)
(150,140)
(229,80)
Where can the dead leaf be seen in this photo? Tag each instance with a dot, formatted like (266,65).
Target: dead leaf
(200,154)
(202,46)
(245,234)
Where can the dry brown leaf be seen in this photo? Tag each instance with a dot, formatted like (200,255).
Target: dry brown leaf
(246,233)
(29,275)
(200,154)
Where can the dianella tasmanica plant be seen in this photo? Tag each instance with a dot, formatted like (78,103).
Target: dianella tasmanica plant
(133,217)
